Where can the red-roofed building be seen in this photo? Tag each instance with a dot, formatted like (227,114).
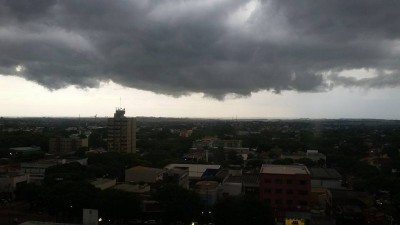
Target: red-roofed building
(286,188)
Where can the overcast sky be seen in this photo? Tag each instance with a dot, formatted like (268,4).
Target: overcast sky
(200,58)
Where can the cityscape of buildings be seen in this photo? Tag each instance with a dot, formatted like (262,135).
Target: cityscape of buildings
(253,112)
(263,161)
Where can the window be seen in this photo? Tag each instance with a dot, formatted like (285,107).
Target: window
(278,201)
(267,190)
(278,181)
(289,192)
(303,192)
(303,203)
(249,190)
(289,181)
(278,191)
(266,180)
(289,202)
(303,182)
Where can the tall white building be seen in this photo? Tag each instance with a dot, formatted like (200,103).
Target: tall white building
(121,133)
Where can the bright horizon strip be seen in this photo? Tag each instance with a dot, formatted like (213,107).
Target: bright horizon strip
(22,98)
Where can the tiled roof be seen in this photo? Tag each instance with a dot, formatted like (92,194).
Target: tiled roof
(324,173)
(284,169)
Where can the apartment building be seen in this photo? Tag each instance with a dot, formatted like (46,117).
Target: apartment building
(286,188)
(61,145)
(121,133)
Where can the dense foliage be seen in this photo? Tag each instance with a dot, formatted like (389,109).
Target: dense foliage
(242,210)
(179,204)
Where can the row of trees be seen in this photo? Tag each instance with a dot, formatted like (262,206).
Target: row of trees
(65,201)
(114,164)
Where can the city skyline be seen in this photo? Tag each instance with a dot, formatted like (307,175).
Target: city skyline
(202,59)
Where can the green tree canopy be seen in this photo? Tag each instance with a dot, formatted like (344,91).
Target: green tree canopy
(179,204)
(71,197)
(285,161)
(67,172)
(242,210)
(117,205)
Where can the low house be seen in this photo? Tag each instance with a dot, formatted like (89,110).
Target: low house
(325,177)
(103,184)
(247,184)
(177,176)
(133,188)
(313,155)
(196,171)
(25,150)
(90,217)
(37,169)
(232,186)
(10,181)
(348,206)
(251,184)
(195,156)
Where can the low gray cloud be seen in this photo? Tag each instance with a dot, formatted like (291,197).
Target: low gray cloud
(215,47)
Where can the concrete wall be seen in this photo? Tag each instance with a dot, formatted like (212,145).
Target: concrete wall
(90,217)
(9,183)
(230,189)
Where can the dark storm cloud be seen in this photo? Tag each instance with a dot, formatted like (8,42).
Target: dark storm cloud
(215,47)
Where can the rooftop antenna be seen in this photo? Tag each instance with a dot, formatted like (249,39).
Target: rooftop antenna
(120,102)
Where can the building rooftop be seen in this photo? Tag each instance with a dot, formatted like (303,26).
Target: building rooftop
(309,153)
(312,152)
(100,181)
(45,223)
(178,171)
(284,169)
(135,188)
(43,162)
(11,174)
(143,174)
(245,179)
(144,168)
(324,173)
(26,149)
(195,170)
(222,174)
